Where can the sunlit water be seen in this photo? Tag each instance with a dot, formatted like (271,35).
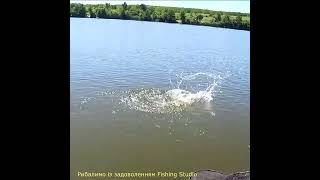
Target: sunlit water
(149,96)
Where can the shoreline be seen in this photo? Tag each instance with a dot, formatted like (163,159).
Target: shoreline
(172,15)
(205,25)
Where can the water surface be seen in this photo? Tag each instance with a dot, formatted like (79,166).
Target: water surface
(149,96)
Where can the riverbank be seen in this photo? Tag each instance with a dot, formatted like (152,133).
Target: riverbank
(200,17)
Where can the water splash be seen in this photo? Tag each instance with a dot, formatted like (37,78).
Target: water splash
(187,90)
(84,101)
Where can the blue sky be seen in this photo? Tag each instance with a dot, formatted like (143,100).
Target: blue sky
(226,5)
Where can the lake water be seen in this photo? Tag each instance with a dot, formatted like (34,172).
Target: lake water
(148,97)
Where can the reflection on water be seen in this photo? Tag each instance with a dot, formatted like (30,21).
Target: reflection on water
(151,100)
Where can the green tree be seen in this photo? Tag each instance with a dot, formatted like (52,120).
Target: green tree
(124,12)
(116,14)
(199,18)
(169,16)
(163,14)
(145,15)
(124,6)
(148,13)
(196,18)
(113,6)
(226,19)
(91,14)
(101,13)
(77,10)
(82,11)
(239,20)
(143,7)
(154,16)
(182,17)
(217,17)
(134,11)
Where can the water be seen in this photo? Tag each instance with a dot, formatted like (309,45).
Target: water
(148,97)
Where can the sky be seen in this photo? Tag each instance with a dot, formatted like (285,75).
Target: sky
(226,5)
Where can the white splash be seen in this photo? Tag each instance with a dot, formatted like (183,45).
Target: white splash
(176,99)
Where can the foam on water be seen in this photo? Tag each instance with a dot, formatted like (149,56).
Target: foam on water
(176,99)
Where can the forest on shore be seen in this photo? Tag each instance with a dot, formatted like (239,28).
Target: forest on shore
(142,12)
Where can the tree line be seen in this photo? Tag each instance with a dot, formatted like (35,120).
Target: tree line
(144,12)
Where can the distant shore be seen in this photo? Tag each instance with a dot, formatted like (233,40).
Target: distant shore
(191,16)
